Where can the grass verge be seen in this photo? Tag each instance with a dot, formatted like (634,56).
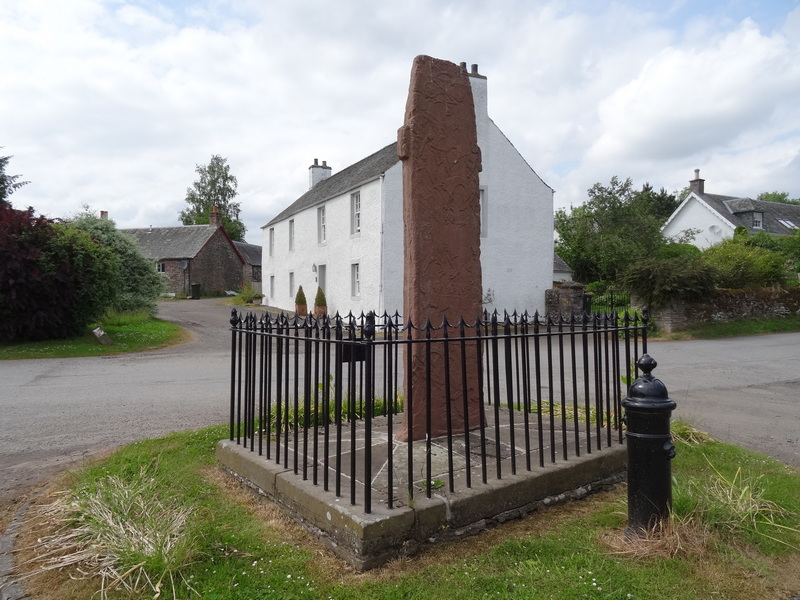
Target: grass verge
(710,331)
(235,546)
(131,332)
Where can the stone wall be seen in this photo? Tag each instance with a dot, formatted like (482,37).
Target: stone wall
(566,299)
(729,305)
(177,280)
(217,267)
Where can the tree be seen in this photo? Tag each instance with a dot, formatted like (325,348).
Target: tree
(660,204)
(140,282)
(782,197)
(8,183)
(215,187)
(616,227)
(54,279)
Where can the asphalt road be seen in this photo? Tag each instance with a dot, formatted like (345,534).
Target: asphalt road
(744,390)
(54,412)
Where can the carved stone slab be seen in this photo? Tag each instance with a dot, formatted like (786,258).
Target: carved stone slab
(438,145)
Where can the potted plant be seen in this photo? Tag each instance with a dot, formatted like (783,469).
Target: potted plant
(320,304)
(300,305)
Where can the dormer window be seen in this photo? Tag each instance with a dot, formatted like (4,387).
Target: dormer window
(758,220)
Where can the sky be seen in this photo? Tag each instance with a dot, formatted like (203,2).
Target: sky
(112,104)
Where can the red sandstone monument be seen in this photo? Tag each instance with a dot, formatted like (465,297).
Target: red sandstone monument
(438,145)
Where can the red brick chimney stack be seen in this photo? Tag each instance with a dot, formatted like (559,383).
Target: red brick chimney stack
(214,217)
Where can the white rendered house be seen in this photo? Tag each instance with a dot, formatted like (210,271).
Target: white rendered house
(345,233)
(713,218)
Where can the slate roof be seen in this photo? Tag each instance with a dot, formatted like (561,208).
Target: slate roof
(739,212)
(250,252)
(560,265)
(354,176)
(158,243)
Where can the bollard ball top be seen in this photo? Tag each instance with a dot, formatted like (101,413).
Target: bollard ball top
(646,363)
(647,392)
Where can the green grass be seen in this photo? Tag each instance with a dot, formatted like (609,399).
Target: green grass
(239,551)
(132,332)
(752,327)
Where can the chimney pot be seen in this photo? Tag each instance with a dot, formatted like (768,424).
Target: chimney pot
(474,69)
(214,217)
(317,172)
(697,185)
(463,66)
(104,214)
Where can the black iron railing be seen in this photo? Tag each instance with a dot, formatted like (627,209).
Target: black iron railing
(325,397)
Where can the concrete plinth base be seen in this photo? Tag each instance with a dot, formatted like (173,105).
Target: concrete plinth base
(370,540)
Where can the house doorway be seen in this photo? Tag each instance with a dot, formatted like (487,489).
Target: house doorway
(321,276)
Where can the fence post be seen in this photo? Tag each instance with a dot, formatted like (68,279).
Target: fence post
(234,321)
(647,414)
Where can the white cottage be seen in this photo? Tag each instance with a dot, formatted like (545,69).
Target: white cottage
(345,233)
(713,218)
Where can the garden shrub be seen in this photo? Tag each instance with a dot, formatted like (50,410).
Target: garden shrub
(54,279)
(140,283)
(300,297)
(319,299)
(661,281)
(742,266)
(676,250)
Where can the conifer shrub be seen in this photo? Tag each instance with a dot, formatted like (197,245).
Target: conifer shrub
(319,299)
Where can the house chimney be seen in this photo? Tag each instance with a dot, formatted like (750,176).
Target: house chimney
(479,93)
(696,185)
(214,217)
(104,215)
(317,173)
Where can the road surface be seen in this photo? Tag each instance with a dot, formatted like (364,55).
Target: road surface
(56,412)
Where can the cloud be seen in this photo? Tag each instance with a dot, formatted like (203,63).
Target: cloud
(690,101)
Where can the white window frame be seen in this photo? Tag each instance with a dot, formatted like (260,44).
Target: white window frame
(321,233)
(788,224)
(355,213)
(272,241)
(355,280)
(291,235)
(161,267)
(758,220)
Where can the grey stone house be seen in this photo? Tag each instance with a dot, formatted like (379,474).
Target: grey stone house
(251,273)
(193,254)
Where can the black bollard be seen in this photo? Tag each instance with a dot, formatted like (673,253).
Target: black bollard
(647,415)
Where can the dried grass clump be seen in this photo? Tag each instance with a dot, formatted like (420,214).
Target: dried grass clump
(120,532)
(686,434)
(667,539)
